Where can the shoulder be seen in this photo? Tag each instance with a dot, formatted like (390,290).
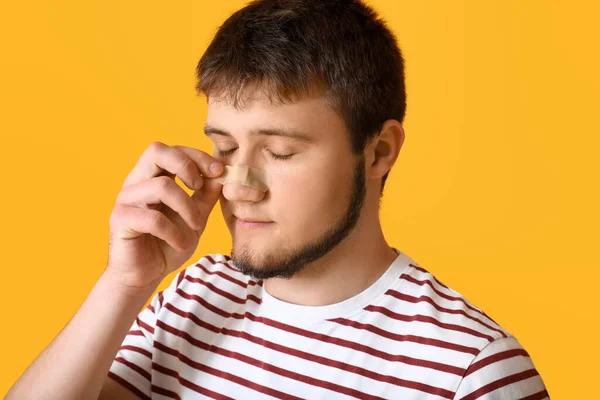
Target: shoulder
(498,367)
(502,370)
(439,301)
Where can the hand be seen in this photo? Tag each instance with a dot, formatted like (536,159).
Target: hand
(155,225)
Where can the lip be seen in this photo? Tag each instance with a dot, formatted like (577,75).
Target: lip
(251,223)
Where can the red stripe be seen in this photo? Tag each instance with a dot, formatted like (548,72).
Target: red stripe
(207,305)
(151,308)
(180,277)
(423,270)
(223,275)
(222,292)
(313,357)
(144,325)
(358,347)
(537,396)
(495,358)
(193,318)
(253,298)
(251,282)
(259,364)
(135,333)
(341,365)
(127,385)
(229,266)
(428,319)
(137,350)
(186,383)
(444,286)
(439,293)
(213,262)
(160,298)
(500,383)
(165,392)
(407,338)
(427,299)
(134,367)
(329,339)
(215,372)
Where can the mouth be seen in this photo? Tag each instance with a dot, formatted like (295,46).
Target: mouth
(250,222)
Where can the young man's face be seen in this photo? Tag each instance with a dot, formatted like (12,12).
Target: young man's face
(316,193)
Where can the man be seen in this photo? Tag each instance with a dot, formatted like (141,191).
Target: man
(308,98)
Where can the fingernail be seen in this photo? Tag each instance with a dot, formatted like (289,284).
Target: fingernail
(215,167)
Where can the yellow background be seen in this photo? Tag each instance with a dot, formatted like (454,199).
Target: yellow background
(495,191)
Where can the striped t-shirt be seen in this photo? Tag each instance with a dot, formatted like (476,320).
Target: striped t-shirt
(216,333)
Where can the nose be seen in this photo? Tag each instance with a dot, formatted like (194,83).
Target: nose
(244,183)
(239,192)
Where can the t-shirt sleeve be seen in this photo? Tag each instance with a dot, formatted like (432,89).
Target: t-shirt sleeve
(502,370)
(132,365)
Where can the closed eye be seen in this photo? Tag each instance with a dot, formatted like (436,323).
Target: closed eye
(280,157)
(225,153)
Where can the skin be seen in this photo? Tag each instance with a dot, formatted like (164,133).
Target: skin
(309,196)
(155,227)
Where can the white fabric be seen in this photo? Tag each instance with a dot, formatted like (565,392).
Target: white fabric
(215,333)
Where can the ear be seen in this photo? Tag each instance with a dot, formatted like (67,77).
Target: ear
(383,150)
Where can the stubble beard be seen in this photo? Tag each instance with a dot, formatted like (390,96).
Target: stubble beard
(285,263)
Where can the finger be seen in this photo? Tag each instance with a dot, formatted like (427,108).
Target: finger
(160,159)
(164,190)
(207,196)
(129,222)
(209,166)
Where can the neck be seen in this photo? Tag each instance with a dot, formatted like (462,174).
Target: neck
(351,267)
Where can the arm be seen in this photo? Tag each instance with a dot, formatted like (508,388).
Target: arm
(155,227)
(75,364)
(502,370)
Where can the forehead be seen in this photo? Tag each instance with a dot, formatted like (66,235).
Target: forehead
(311,115)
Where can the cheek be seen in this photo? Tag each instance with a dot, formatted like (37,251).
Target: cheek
(308,201)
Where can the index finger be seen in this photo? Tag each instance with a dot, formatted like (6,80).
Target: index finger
(207,164)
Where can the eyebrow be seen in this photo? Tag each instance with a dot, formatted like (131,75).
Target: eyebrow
(289,133)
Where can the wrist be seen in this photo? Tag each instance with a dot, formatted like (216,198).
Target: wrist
(121,286)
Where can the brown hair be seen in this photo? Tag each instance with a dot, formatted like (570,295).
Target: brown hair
(294,48)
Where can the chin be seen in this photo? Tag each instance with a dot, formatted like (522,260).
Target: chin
(253,252)
(249,251)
